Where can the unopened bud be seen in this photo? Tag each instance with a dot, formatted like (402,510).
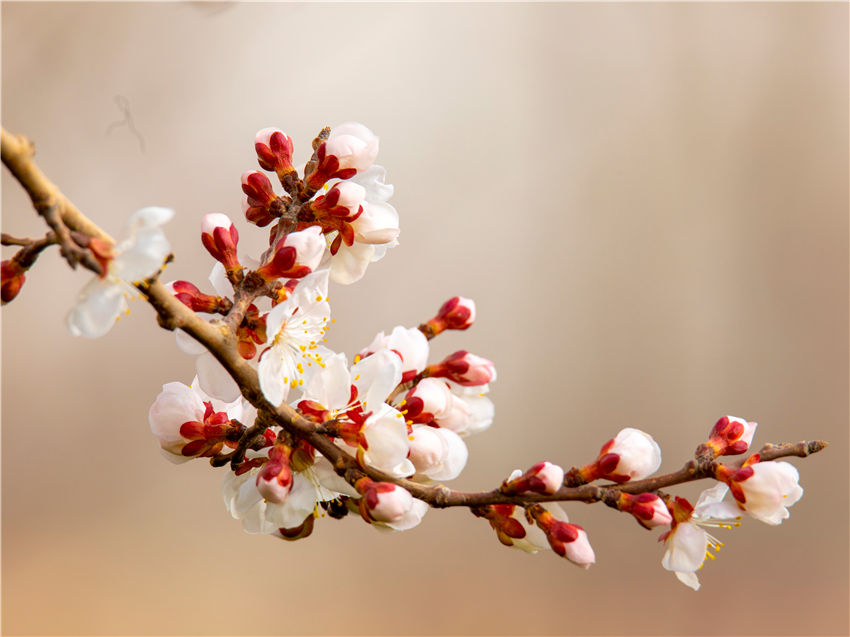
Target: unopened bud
(261,205)
(731,436)
(567,540)
(464,369)
(343,201)
(11,279)
(458,313)
(295,256)
(428,400)
(349,149)
(544,477)
(647,508)
(274,151)
(631,455)
(274,482)
(383,501)
(194,299)
(220,238)
(500,516)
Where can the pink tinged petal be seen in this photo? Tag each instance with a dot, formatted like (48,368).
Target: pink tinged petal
(350,263)
(686,548)
(354,145)
(454,458)
(392,505)
(99,304)
(640,455)
(215,380)
(411,518)
(377,224)
(298,505)
(579,551)
(435,396)
(426,448)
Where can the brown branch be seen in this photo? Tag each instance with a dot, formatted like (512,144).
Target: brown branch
(220,340)
(17,154)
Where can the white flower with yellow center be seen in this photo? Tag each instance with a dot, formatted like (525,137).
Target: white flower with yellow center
(688,543)
(296,329)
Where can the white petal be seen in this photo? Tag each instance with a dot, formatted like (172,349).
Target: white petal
(412,518)
(219,280)
(215,380)
(143,257)
(349,263)
(688,579)
(686,547)
(331,385)
(100,302)
(454,458)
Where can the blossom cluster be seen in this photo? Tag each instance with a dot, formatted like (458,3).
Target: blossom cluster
(400,418)
(388,407)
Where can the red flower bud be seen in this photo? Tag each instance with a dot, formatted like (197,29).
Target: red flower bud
(11,279)
(465,369)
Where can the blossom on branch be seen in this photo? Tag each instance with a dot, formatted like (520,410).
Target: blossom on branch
(688,544)
(631,455)
(141,254)
(765,490)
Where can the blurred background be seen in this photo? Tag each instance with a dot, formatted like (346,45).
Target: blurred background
(648,203)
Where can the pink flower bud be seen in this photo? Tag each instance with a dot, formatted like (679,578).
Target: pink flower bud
(193,298)
(464,369)
(274,150)
(579,551)
(274,482)
(220,237)
(731,436)
(343,201)
(632,455)
(383,501)
(258,188)
(428,400)
(295,256)
(11,279)
(765,490)
(378,224)
(567,540)
(458,313)
(350,148)
(544,477)
(188,426)
(647,508)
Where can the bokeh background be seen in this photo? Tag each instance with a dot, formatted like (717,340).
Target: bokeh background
(647,201)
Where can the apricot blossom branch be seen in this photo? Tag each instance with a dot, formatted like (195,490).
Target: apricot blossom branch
(378,437)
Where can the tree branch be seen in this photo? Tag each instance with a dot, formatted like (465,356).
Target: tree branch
(218,336)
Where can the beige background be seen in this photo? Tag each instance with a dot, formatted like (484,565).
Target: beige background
(648,203)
